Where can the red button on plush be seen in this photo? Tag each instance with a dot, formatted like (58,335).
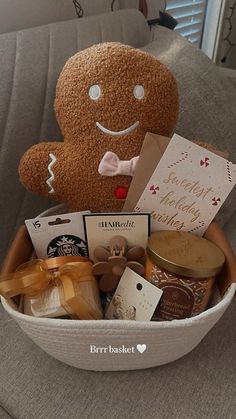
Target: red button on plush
(121,192)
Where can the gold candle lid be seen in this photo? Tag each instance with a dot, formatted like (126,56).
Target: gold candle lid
(185,254)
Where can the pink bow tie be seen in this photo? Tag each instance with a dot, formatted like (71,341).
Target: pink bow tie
(111,165)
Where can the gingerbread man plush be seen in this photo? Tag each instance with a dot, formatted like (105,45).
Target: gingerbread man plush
(107,98)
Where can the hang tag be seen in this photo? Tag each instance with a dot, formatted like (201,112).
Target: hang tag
(58,235)
(135,298)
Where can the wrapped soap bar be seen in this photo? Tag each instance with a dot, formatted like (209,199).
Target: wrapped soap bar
(56,287)
(79,293)
(46,304)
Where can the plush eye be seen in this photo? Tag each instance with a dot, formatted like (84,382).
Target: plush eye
(95,92)
(139,91)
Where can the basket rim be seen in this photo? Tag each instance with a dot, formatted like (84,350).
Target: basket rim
(119,324)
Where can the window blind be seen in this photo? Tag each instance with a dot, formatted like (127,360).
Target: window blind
(190,15)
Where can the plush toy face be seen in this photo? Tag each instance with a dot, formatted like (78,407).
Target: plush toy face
(107,98)
(113,90)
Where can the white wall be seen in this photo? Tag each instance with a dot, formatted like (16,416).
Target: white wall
(212,28)
(223,45)
(216,28)
(153,6)
(21,14)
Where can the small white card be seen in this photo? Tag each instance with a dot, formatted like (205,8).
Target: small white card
(58,235)
(100,228)
(135,298)
(187,188)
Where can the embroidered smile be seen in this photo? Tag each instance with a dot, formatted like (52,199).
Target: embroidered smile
(117,133)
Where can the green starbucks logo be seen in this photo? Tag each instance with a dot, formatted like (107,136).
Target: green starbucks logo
(67,246)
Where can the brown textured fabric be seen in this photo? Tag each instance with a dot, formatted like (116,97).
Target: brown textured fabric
(117,69)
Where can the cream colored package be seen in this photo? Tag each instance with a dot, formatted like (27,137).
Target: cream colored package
(47,304)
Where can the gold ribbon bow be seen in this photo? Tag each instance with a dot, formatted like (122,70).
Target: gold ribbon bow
(78,289)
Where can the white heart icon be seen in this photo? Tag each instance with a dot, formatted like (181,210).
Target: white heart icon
(141,348)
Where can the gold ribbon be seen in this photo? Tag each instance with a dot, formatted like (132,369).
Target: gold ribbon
(34,277)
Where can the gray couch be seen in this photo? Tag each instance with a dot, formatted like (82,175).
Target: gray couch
(33,385)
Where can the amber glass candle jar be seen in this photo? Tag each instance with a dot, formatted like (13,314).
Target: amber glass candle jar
(184,266)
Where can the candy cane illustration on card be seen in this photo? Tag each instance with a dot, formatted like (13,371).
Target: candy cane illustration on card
(187,188)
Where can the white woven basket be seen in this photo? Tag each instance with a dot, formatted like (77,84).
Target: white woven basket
(70,341)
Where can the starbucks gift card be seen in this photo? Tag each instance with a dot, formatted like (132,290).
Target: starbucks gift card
(187,188)
(58,235)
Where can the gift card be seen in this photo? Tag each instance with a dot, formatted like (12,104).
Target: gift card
(135,298)
(101,228)
(58,235)
(187,188)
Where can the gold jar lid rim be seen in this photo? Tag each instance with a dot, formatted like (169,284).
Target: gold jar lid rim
(179,260)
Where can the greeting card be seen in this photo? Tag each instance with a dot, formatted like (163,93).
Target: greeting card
(153,148)
(187,188)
